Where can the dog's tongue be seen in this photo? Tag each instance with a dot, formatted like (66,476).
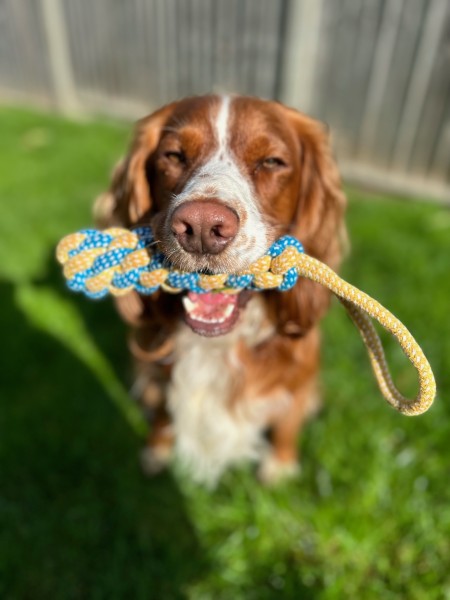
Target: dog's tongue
(210,298)
(212,305)
(212,313)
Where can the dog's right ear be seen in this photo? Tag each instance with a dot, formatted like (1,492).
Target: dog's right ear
(128,199)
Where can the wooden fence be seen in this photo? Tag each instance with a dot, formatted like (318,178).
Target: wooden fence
(377,71)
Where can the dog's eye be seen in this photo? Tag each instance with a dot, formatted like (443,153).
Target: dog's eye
(176,157)
(272,163)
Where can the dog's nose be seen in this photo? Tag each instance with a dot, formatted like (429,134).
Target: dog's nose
(204,226)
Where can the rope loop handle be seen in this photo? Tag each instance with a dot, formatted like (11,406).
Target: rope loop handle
(118,260)
(361,307)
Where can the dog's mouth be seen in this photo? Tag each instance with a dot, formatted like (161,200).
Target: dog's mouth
(213,313)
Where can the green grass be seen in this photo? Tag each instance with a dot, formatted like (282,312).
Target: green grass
(368,518)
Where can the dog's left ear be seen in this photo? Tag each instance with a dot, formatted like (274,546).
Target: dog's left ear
(317,222)
(318,218)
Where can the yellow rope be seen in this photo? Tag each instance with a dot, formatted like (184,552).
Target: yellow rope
(360,306)
(127,263)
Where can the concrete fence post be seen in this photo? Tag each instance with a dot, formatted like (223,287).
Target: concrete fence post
(59,57)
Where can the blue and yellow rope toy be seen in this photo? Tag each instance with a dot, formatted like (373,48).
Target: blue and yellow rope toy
(116,261)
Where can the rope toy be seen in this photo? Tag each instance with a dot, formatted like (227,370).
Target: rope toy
(118,260)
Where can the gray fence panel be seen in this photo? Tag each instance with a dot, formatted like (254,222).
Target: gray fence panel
(145,53)
(24,66)
(383,85)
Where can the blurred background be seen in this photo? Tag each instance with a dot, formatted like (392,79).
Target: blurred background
(369,516)
(377,71)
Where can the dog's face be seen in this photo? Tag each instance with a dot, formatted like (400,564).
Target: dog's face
(219,179)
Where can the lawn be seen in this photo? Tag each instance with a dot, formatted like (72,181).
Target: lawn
(368,518)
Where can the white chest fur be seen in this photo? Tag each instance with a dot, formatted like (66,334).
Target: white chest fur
(209,433)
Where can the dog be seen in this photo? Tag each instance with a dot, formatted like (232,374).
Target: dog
(227,377)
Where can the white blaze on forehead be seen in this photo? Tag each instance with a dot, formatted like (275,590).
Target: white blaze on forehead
(221,178)
(221,124)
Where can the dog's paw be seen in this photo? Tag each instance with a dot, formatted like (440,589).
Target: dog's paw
(155,459)
(273,471)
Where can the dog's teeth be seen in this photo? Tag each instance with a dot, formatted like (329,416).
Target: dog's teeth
(207,320)
(188,304)
(210,320)
(228,311)
(225,315)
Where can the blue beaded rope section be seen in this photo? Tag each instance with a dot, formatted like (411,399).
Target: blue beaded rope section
(179,280)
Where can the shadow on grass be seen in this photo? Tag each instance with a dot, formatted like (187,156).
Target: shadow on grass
(282,578)
(78,518)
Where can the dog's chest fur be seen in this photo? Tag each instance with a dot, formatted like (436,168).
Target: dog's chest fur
(210,431)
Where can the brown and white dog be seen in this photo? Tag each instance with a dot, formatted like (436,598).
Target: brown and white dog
(219,178)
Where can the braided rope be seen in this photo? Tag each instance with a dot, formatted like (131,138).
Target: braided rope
(361,307)
(117,260)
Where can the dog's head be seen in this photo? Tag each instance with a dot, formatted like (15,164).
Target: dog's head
(221,178)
